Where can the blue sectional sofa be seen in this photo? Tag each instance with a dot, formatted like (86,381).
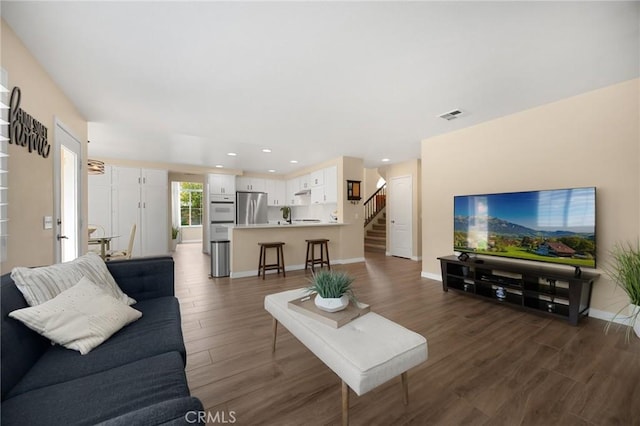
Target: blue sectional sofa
(136,377)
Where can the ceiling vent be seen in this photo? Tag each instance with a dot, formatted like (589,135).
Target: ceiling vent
(451,115)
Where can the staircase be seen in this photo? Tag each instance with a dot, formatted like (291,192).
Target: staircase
(375,221)
(375,239)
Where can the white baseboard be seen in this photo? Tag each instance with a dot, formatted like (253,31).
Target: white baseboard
(345,261)
(609,316)
(431,276)
(254,273)
(414,258)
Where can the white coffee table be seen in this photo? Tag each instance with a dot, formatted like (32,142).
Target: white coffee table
(364,353)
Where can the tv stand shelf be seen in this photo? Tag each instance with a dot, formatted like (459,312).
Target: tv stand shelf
(547,290)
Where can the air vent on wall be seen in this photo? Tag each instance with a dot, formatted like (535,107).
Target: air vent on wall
(451,115)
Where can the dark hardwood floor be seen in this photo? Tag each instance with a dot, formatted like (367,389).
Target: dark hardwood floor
(488,364)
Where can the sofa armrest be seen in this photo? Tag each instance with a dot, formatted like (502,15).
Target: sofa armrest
(181,411)
(144,278)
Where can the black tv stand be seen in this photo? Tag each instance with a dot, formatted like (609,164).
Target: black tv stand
(578,272)
(547,290)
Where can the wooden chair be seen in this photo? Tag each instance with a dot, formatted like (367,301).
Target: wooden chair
(124,254)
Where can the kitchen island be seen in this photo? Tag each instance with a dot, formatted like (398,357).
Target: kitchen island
(245,250)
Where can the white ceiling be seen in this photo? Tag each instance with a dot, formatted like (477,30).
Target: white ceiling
(188,82)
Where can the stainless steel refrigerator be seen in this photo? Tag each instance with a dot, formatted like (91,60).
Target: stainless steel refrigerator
(251,208)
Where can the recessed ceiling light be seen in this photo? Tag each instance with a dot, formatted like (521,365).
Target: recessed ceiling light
(231,154)
(293,161)
(271,171)
(219,166)
(385,160)
(266,150)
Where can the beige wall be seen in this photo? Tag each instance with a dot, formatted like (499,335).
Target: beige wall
(30,191)
(408,168)
(350,213)
(186,177)
(588,140)
(245,251)
(371,177)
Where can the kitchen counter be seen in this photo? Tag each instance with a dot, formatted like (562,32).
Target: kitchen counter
(245,250)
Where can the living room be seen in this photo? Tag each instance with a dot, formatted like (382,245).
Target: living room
(587,136)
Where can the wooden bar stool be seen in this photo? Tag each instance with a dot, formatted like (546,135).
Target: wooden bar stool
(324,250)
(263,266)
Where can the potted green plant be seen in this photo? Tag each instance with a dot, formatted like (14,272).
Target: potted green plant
(175,231)
(286,213)
(333,290)
(624,270)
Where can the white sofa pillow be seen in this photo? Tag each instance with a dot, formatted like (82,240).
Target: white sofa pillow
(79,318)
(44,283)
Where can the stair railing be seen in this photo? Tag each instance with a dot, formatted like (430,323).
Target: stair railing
(375,204)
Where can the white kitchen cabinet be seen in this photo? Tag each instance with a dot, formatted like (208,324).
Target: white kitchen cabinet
(317,195)
(132,196)
(328,191)
(305,182)
(222,184)
(293,186)
(154,178)
(250,184)
(276,191)
(331,184)
(317,178)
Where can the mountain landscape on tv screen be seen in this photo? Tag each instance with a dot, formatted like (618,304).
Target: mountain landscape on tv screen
(503,227)
(507,239)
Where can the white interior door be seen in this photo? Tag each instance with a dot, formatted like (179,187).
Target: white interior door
(400,209)
(67,184)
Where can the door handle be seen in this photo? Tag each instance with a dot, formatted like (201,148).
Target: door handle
(393,221)
(62,237)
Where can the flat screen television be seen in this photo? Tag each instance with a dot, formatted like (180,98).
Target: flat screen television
(556,226)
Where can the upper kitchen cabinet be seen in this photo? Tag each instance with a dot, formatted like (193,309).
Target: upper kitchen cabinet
(327,191)
(298,190)
(250,184)
(154,178)
(222,184)
(317,178)
(305,182)
(276,191)
(331,184)
(293,186)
